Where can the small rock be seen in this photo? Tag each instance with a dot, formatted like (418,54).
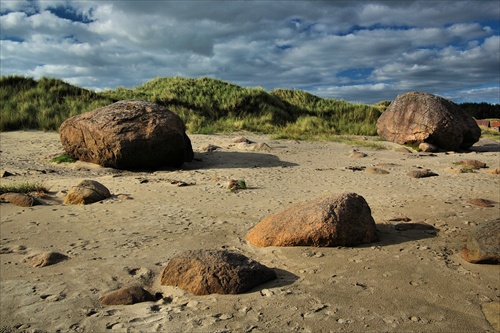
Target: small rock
(472,164)
(421,173)
(209,148)
(86,192)
(235,185)
(491,311)
(482,245)
(356,168)
(126,296)
(493,171)
(45,259)
(481,202)
(376,171)
(428,148)
(240,139)
(358,154)
(19,199)
(261,146)
(5,173)
(453,170)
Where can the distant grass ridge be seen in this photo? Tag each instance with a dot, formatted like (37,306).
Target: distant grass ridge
(206,105)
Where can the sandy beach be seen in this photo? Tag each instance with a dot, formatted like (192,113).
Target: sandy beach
(411,280)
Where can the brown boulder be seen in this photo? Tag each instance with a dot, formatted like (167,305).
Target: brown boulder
(206,272)
(416,117)
(483,244)
(19,199)
(87,192)
(342,220)
(128,134)
(126,296)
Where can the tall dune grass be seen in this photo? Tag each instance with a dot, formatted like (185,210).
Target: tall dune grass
(206,105)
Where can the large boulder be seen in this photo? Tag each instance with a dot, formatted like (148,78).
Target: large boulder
(417,117)
(130,134)
(205,272)
(342,220)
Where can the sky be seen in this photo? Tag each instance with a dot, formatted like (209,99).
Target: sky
(357,51)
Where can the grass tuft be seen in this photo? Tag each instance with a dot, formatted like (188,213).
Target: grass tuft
(24,187)
(64,158)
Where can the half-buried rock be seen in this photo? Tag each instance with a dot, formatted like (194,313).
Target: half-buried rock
(126,296)
(204,272)
(130,134)
(483,244)
(87,192)
(45,259)
(342,220)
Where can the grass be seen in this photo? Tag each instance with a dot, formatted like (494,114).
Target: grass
(206,106)
(24,187)
(359,142)
(64,158)
(491,134)
(43,104)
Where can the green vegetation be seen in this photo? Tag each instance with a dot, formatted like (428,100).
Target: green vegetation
(43,104)
(359,142)
(235,185)
(62,159)
(24,187)
(206,105)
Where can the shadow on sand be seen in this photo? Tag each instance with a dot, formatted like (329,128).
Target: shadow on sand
(223,160)
(391,234)
(485,145)
(284,278)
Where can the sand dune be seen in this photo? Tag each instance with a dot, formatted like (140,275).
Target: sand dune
(412,280)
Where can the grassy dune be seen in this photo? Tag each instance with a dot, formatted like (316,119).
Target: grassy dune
(206,105)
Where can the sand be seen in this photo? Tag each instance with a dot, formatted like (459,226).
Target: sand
(411,280)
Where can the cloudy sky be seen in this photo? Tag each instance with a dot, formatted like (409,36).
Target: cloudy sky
(359,51)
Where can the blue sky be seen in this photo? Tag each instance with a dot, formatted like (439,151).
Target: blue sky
(358,51)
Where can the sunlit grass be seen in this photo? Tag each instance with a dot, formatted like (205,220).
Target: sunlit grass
(24,187)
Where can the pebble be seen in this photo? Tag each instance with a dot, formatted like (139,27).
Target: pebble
(267,292)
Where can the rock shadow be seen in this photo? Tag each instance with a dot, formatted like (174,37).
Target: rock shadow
(486,145)
(391,234)
(231,159)
(284,278)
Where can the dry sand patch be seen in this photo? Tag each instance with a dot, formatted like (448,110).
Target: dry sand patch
(412,279)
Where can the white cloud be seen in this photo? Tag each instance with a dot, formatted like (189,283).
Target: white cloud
(416,45)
